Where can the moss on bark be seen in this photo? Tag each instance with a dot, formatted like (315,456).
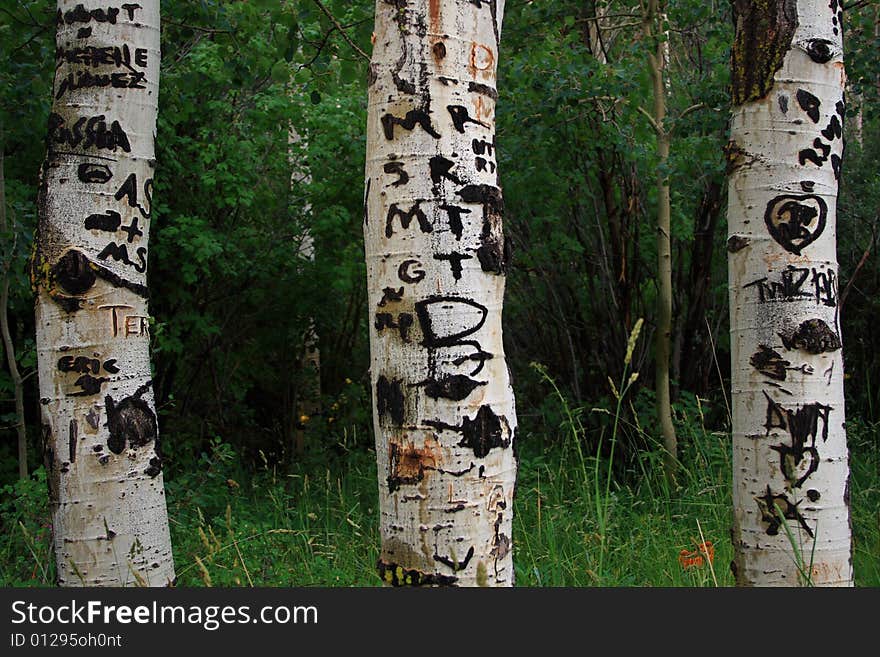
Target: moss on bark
(764,32)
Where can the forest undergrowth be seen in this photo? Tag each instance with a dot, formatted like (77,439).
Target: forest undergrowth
(574,525)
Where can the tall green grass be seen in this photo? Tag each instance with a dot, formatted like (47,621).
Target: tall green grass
(579,526)
(318,525)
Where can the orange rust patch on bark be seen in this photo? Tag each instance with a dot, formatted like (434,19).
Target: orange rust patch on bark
(409,463)
(826,573)
(434,16)
(773,259)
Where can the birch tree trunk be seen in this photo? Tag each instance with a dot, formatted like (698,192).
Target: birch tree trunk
(444,413)
(597,9)
(89,272)
(791,472)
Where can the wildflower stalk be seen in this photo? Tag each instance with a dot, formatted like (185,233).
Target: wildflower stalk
(603,503)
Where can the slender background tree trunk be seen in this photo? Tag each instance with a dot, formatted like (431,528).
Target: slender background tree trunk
(791,474)
(307,393)
(8,344)
(657,60)
(444,412)
(89,268)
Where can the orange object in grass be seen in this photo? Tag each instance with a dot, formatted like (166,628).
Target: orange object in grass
(695,558)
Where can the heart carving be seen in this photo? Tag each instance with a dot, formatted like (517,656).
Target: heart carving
(796,220)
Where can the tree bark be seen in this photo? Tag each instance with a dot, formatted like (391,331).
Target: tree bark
(101,435)
(595,13)
(444,413)
(663,338)
(791,472)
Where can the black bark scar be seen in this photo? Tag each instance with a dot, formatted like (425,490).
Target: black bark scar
(765,29)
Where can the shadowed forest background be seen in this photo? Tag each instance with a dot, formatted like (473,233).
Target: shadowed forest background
(233,296)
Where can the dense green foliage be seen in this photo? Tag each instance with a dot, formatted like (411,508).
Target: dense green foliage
(233,297)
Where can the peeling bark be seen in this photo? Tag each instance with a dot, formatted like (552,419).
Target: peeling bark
(444,413)
(89,274)
(789,441)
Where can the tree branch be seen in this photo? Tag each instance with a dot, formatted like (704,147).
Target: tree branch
(657,127)
(857,270)
(34,23)
(857,4)
(207,30)
(341,30)
(689,110)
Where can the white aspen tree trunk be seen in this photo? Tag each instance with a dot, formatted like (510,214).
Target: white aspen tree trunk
(790,458)
(665,49)
(89,267)
(444,412)
(595,28)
